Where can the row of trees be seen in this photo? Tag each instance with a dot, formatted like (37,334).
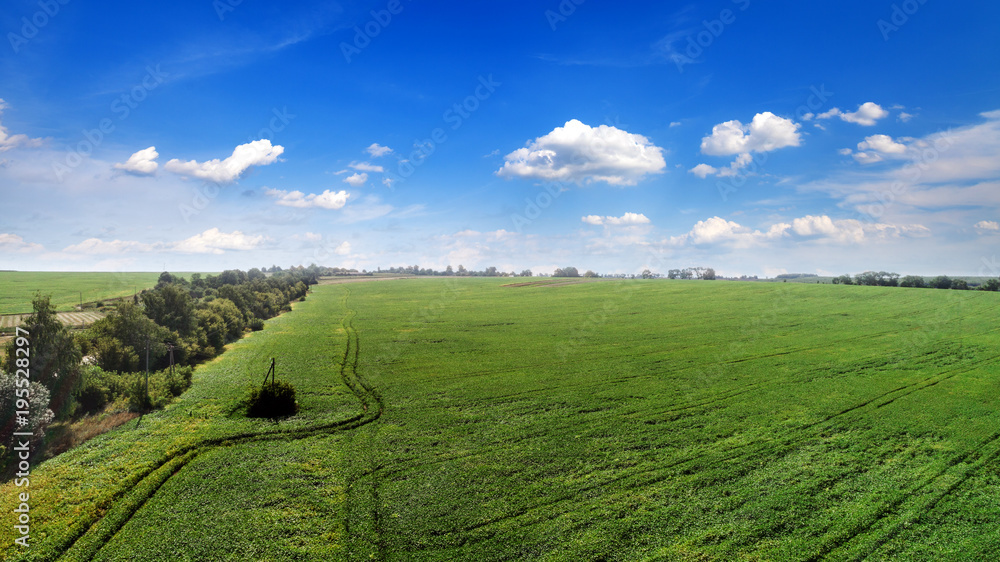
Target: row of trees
(179,322)
(706,273)
(886,279)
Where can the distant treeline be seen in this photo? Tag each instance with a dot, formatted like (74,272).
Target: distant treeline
(886,279)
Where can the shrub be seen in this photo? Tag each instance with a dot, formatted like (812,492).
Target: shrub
(95,391)
(163,388)
(273,400)
(178,382)
(256,324)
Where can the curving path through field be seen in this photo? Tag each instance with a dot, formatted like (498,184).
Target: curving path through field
(87,538)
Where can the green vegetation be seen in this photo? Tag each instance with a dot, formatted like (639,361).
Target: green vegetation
(272,400)
(177,322)
(19,287)
(464,419)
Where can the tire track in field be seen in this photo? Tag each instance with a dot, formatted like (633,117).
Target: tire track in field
(649,477)
(861,527)
(968,473)
(87,538)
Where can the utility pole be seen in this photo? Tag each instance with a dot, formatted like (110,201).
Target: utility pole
(171,359)
(147,369)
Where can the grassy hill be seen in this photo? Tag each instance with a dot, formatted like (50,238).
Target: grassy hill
(462,419)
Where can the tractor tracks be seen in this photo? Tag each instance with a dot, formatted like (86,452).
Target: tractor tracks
(85,539)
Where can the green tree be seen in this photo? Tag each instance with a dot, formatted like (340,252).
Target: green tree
(913,281)
(566,272)
(990,285)
(170,306)
(129,326)
(54,360)
(941,282)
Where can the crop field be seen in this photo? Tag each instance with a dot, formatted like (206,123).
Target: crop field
(461,419)
(17,288)
(75,319)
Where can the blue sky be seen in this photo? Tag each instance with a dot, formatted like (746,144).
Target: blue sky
(752,137)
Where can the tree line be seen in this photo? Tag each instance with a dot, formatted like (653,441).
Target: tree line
(174,326)
(886,279)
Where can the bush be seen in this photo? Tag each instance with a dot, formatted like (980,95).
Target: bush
(95,391)
(163,388)
(180,381)
(256,324)
(273,400)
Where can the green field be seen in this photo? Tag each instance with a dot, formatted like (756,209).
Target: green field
(17,288)
(458,419)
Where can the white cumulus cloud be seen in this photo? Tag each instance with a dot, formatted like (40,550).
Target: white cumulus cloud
(766,132)
(366,167)
(96,246)
(142,163)
(628,219)
(214,241)
(704,170)
(987,227)
(326,200)
(10,243)
(579,153)
(875,148)
(256,153)
(356,180)
(867,114)
(883,144)
(719,231)
(9,141)
(377,150)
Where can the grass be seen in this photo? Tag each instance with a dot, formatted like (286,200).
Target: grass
(640,420)
(17,288)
